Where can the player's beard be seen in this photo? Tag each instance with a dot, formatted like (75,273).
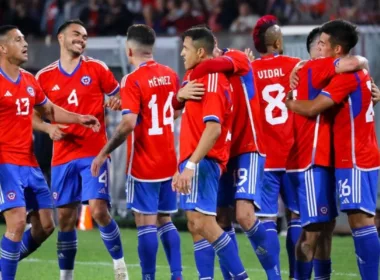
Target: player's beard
(75,53)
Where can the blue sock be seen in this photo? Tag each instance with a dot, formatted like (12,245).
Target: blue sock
(10,254)
(172,245)
(28,245)
(231,233)
(67,249)
(229,257)
(273,241)
(322,269)
(303,270)
(110,235)
(294,233)
(204,255)
(147,249)
(367,248)
(257,235)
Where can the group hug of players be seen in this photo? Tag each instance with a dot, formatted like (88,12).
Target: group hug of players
(243,141)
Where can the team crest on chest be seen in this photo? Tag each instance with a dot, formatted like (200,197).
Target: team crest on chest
(86,80)
(30,91)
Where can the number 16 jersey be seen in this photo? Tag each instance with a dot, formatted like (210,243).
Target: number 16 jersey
(272,80)
(148,92)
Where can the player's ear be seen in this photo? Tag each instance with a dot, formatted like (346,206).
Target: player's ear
(201,52)
(130,52)
(338,49)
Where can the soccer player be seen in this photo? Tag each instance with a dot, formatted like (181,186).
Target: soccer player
(272,72)
(204,140)
(357,157)
(148,121)
(78,83)
(23,187)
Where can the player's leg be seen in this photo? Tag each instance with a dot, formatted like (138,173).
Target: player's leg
(142,199)
(66,189)
(39,204)
(322,257)
(12,204)
(95,190)
(249,179)
(358,194)
(200,206)
(167,231)
(289,196)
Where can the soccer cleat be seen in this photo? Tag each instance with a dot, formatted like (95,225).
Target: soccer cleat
(121,272)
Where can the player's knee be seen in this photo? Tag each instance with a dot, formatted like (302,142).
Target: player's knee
(48,228)
(16,227)
(101,216)
(359,219)
(246,219)
(163,219)
(306,246)
(195,226)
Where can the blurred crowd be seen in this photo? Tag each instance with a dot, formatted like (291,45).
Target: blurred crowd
(113,17)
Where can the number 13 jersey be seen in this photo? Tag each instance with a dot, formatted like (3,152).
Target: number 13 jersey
(148,92)
(82,92)
(272,80)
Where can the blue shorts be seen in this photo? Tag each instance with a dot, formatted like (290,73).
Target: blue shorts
(72,182)
(23,186)
(275,183)
(204,188)
(150,197)
(243,180)
(357,189)
(316,194)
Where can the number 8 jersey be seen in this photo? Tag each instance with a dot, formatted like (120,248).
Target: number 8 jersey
(272,80)
(148,92)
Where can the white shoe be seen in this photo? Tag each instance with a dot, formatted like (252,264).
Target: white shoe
(121,272)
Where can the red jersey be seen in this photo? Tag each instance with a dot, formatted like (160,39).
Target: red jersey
(272,74)
(312,136)
(355,143)
(17,99)
(216,105)
(148,92)
(246,127)
(80,92)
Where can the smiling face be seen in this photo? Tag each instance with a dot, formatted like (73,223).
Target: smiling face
(73,39)
(14,47)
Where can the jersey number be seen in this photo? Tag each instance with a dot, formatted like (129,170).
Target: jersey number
(23,102)
(344,189)
(275,102)
(168,120)
(73,98)
(369,115)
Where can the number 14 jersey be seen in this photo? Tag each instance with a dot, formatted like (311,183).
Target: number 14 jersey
(272,80)
(148,92)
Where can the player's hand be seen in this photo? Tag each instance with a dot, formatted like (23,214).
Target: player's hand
(55,132)
(249,53)
(114,103)
(191,91)
(90,122)
(97,164)
(294,79)
(184,181)
(375,93)
(175,181)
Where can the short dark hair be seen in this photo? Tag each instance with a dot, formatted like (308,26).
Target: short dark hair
(68,23)
(342,33)
(311,37)
(142,34)
(202,35)
(4,29)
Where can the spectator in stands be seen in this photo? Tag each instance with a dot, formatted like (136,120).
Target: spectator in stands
(286,11)
(174,12)
(73,8)
(245,20)
(52,17)
(190,17)
(117,19)
(92,16)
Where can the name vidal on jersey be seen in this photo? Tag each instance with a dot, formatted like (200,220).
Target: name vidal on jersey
(159,81)
(271,73)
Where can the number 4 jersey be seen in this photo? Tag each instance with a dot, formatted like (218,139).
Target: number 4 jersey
(148,92)
(82,92)
(272,80)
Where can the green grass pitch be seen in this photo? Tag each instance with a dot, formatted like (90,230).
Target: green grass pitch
(93,261)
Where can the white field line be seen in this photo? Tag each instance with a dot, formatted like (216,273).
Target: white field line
(134,265)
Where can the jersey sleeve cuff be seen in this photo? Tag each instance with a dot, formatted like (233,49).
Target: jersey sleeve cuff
(42,103)
(112,93)
(128,111)
(336,61)
(211,118)
(325,93)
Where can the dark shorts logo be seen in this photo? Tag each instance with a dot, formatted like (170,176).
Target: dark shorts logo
(324,210)
(86,80)
(30,91)
(11,195)
(55,195)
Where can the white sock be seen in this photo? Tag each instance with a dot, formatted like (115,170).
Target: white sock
(119,263)
(66,274)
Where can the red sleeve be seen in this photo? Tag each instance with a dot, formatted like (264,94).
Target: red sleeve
(130,94)
(340,87)
(323,69)
(221,64)
(175,103)
(240,61)
(212,102)
(41,98)
(108,83)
